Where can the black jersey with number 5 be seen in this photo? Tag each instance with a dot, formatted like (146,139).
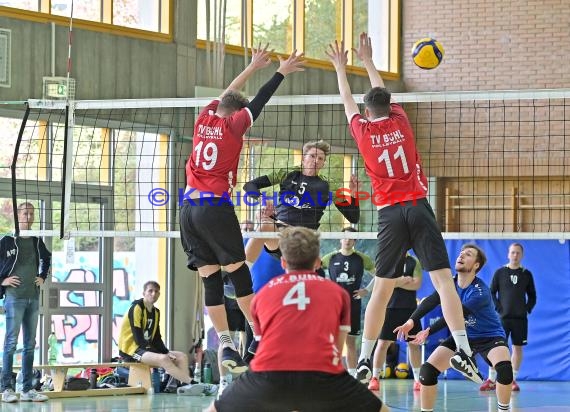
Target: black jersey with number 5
(302,199)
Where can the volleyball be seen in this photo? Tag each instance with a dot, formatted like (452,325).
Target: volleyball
(387,372)
(402,371)
(427,53)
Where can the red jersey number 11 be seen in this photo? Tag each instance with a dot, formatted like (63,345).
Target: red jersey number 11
(399,154)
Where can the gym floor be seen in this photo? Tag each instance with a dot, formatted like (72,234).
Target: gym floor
(454,396)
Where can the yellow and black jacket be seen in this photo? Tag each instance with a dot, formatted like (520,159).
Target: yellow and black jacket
(141,329)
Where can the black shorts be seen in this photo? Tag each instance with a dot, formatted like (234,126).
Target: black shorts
(210,234)
(517,329)
(482,346)
(236,318)
(355,322)
(296,391)
(394,318)
(402,227)
(135,357)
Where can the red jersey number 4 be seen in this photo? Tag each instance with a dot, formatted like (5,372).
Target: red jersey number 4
(297,296)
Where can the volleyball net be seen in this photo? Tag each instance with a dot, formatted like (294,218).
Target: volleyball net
(497,162)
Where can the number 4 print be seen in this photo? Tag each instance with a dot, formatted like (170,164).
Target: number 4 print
(296,296)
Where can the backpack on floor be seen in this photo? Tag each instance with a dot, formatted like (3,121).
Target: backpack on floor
(211,356)
(76,384)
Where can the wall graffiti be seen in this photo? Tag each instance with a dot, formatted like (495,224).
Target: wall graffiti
(78,335)
(68,328)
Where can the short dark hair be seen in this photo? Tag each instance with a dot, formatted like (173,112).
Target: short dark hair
(232,101)
(25,205)
(377,101)
(300,247)
(151,283)
(517,244)
(349,229)
(481,257)
(321,145)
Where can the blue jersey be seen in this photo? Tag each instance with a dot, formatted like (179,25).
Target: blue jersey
(265,268)
(482,321)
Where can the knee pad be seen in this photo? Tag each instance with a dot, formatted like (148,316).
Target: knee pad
(241,278)
(428,374)
(504,372)
(214,289)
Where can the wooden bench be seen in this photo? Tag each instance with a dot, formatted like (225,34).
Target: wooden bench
(139,379)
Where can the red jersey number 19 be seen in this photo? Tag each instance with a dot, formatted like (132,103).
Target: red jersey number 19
(385,157)
(296,296)
(209,154)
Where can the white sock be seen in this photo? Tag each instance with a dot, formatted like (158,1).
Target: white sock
(461,342)
(502,406)
(366,350)
(492,375)
(515,374)
(351,371)
(416,374)
(378,372)
(226,339)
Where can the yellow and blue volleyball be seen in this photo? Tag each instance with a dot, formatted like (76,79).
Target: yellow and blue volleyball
(427,53)
(402,371)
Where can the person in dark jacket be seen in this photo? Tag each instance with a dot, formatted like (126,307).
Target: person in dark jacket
(514,294)
(24,267)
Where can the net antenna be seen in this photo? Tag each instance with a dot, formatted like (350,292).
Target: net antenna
(68,140)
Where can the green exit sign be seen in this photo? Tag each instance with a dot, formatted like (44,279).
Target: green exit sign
(62,90)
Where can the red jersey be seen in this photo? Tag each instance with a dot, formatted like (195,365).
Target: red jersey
(299,316)
(390,157)
(216,147)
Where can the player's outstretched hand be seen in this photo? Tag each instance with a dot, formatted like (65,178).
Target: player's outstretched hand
(403,330)
(293,63)
(364,50)
(337,55)
(260,57)
(354,185)
(421,337)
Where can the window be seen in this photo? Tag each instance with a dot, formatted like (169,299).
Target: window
(359,24)
(31,5)
(273,24)
(323,19)
(82,9)
(148,15)
(305,25)
(129,13)
(232,15)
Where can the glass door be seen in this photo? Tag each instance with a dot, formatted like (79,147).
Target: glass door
(74,299)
